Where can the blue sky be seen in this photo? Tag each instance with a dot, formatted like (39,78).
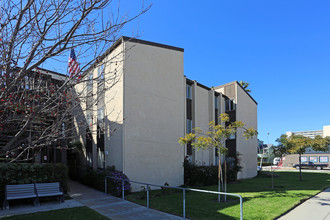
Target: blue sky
(282,48)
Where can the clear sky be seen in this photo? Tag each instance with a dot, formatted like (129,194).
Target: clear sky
(282,48)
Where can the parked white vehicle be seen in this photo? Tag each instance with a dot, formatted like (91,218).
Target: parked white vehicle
(276,160)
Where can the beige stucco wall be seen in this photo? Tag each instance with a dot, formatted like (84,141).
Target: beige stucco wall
(246,111)
(202,118)
(79,118)
(145,115)
(153,114)
(114,107)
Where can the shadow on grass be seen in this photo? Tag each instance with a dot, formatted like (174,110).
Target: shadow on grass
(198,205)
(284,181)
(255,192)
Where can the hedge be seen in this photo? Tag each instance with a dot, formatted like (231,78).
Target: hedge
(265,163)
(95,179)
(195,175)
(24,173)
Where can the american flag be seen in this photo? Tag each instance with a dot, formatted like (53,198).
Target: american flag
(73,64)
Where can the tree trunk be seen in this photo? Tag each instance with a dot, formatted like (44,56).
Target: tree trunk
(225,178)
(300,177)
(272,172)
(219,174)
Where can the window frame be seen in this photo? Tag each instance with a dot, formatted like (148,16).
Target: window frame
(321,160)
(188,91)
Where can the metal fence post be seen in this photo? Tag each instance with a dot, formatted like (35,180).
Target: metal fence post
(183,192)
(123,189)
(241,204)
(105,185)
(184,203)
(147,196)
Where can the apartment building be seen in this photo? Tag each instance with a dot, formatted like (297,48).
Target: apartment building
(152,104)
(312,134)
(28,94)
(241,107)
(310,155)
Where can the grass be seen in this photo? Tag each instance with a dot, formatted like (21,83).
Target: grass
(260,201)
(70,213)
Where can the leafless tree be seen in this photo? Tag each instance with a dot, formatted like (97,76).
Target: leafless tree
(36,105)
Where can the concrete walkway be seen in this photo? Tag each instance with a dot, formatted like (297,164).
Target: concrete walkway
(113,207)
(316,208)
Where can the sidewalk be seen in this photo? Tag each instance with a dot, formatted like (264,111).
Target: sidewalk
(113,207)
(316,208)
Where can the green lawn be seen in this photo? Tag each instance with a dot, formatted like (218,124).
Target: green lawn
(259,200)
(78,213)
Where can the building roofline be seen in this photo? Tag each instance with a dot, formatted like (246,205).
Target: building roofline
(203,86)
(305,131)
(134,40)
(231,83)
(189,81)
(52,72)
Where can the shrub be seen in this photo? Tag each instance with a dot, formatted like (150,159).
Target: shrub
(95,179)
(195,175)
(166,190)
(25,173)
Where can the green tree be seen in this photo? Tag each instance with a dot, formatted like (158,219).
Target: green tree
(216,137)
(245,85)
(297,144)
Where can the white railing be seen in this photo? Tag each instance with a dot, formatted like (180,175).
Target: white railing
(174,187)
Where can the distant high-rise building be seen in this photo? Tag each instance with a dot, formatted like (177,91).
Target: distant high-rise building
(312,134)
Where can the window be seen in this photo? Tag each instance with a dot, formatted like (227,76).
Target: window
(216,116)
(189,126)
(232,136)
(324,159)
(89,120)
(89,139)
(189,119)
(27,82)
(216,156)
(100,138)
(189,94)
(216,110)
(189,149)
(230,105)
(100,117)
(303,159)
(216,102)
(90,82)
(313,159)
(101,72)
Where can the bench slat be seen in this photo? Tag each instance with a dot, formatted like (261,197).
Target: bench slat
(20,191)
(48,189)
(50,194)
(21,196)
